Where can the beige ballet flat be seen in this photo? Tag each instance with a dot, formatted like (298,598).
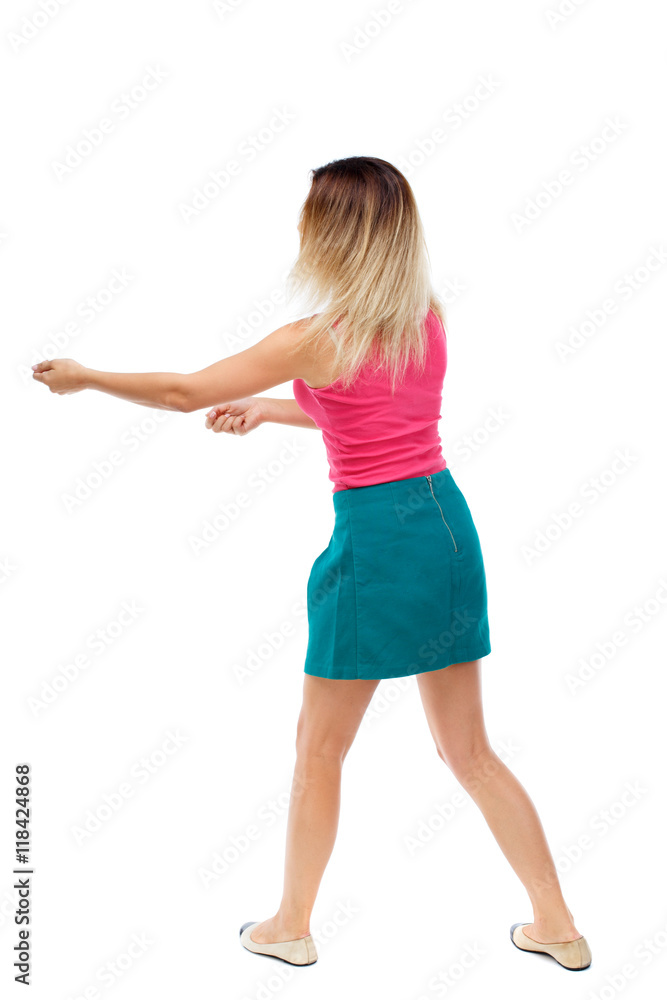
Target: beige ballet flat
(575,955)
(299,952)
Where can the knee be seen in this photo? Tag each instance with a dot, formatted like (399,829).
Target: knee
(314,750)
(470,763)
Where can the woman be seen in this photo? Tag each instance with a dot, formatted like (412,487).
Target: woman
(400,590)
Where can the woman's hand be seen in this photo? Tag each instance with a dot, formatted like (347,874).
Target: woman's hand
(238,417)
(62,375)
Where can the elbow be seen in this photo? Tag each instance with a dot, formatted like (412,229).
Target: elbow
(180,399)
(175,401)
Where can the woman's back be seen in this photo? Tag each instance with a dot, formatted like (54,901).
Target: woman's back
(373,437)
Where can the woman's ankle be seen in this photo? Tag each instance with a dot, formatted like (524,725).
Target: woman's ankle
(553,928)
(554,923)
(294,923)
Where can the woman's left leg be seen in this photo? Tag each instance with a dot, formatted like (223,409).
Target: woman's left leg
(330,716)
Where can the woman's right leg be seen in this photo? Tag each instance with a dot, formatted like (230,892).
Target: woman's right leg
(452,701)
(331,713)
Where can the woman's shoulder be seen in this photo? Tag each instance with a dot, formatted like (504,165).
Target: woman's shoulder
(317,360)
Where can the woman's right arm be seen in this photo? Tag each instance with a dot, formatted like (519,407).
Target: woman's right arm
(243,415)
(286,411)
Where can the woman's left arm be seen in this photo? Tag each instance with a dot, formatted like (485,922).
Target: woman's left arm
(271,362)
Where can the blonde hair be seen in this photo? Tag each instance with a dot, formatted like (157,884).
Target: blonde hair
(363,260)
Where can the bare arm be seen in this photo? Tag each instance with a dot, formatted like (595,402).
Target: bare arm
(272,361)
(286,411)
(159,390)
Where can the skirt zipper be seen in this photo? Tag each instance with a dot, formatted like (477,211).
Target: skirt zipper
(441,514)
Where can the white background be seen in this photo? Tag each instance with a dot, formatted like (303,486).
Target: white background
(389,920)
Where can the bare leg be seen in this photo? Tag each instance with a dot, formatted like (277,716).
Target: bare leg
(331,714)
(453,705)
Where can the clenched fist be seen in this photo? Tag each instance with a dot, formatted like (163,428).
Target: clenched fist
(61,375)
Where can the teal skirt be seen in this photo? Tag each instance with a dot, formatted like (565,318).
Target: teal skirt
(400,589)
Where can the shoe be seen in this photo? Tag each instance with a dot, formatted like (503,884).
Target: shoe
(575,955)
(299,952)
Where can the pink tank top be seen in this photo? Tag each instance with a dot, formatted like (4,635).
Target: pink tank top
(373,437)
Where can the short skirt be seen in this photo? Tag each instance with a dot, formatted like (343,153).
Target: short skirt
(401,588)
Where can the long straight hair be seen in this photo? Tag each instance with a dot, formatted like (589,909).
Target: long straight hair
(364,263)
